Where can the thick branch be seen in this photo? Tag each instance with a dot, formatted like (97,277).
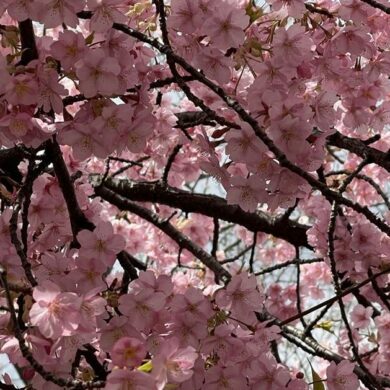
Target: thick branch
(361,149)
(209,205)
(182,240)
(77,218)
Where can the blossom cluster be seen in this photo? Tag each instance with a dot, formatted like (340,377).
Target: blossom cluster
(115,268)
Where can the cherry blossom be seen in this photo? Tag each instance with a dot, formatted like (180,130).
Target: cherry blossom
(341,377)
(194,194)
(98,74)
(54,312)
(226,26)
(101,244)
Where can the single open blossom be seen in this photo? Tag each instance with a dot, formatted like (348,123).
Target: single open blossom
(84,142)
(294,8)
(50,91)
(18,124)
(215,64)
(292,46)
(125,379)
(241,296)
(101,244)
(69,48)
(22,89)
(247,193)
(105,14)
(128,352)
(267,374)
(142,308)
(140,128)
(22,9)
(98,74)
(186,15)
(226,26)
(173,364)
(55,12)
(55,313)
(341,377)
(229,378)
(243,145)
(361,316)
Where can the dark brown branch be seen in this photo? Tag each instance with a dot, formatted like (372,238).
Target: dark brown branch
(336,297)
(129,271)
(209,205)
(27,38)
(325,353)
(182,240)
(359,148)
(317,10)
(77,218)
(171,160)
(214,247)
(377,5)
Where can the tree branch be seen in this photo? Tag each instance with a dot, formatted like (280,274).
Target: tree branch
(209,205)
(182,240)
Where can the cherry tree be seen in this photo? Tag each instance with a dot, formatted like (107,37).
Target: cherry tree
(194,194)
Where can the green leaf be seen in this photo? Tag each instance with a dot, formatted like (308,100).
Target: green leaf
(317,381)
(253,12)
(146,367)
(325,325)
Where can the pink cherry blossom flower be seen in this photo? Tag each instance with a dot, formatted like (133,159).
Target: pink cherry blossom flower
(247,193)
(18,124)
(243,145)
(215,64)
(147,281)
(226,26)
(101,244)
(241,296)
(193,303)
(354,41)
(140,129)
(54,312)
(130,379)
(105,14)
(290,134)
(117,328)
(84,142)
(69,48)
(354,10)
(50,91)
(188,329)
(98,74)
(292,46)
(294,8)
(266,374)
(341,376)
(229,378)
(173,364)
(186,15)
(88,274)
(128,352)
(222,343)
(22,89)
(142,308)
(91,307)
(53,13)
(361,316)
(22,9)
(325,114)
